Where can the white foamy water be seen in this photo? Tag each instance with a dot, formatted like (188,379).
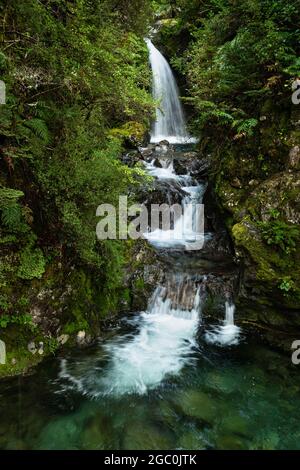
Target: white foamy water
(227,334)
(170,122)
(166,171)
(138,362)
(188,231)
(155,139)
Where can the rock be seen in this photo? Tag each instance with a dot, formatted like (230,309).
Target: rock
(222,382)
(235,424)
(169,192)
(32,347)
(62,339)
(2,352)
(142,436)
(294,158)
(41,348)
(198,405)
(157,163)
(131,158)
(193,164)
(191,440)
(230,443)
(164,143)
(80,338)
(235,183)
(179,167)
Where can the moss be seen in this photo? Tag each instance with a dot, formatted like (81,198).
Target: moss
(139,284)
(24,361)
(32,264)
(19,360)
(246,237)
(132,131)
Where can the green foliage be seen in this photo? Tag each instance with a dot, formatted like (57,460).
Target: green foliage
(73,327)
(246,126)
(21,320)
(9,196)
(287,285)
(78,87)
(11,217)
(278,233)
(239,53)
(5,304)
(51,345)
(32,264)
(11,212)
(39,127)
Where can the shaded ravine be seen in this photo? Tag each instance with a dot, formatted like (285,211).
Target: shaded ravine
(165,336)
(165,340)
(171,377)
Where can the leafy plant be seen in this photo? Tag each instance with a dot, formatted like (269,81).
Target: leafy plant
(246,126)
(287,285)
(281,234)
(21,320)
(32,264)
(39,127)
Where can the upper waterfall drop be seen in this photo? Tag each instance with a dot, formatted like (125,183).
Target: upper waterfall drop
(170,123)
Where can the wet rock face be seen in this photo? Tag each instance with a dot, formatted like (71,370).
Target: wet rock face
(191,163)
(143,274)
(163,191)
(259,194)
(150,267)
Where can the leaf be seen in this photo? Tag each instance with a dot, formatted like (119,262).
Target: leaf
(40,129)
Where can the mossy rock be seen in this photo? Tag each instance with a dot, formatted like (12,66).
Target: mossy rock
(197,405)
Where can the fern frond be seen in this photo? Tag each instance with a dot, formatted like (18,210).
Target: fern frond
(40,129)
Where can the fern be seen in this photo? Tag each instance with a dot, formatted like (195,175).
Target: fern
(11,213)
(245,126)
(11,217)
(9,196)
(40,129)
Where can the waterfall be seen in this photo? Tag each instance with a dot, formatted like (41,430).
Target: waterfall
(189,227)
(163,339)
(227,334)
(229,313)
(170,122)
(162,345)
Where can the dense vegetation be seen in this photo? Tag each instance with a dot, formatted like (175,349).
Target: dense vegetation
(239,59)
(77,83)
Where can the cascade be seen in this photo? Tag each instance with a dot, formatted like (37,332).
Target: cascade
(170,123)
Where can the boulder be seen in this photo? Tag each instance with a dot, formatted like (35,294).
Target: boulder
(62,339)
(81,338)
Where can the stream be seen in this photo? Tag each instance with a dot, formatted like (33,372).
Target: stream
(169,377)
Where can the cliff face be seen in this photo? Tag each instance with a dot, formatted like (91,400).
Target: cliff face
(258,189)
